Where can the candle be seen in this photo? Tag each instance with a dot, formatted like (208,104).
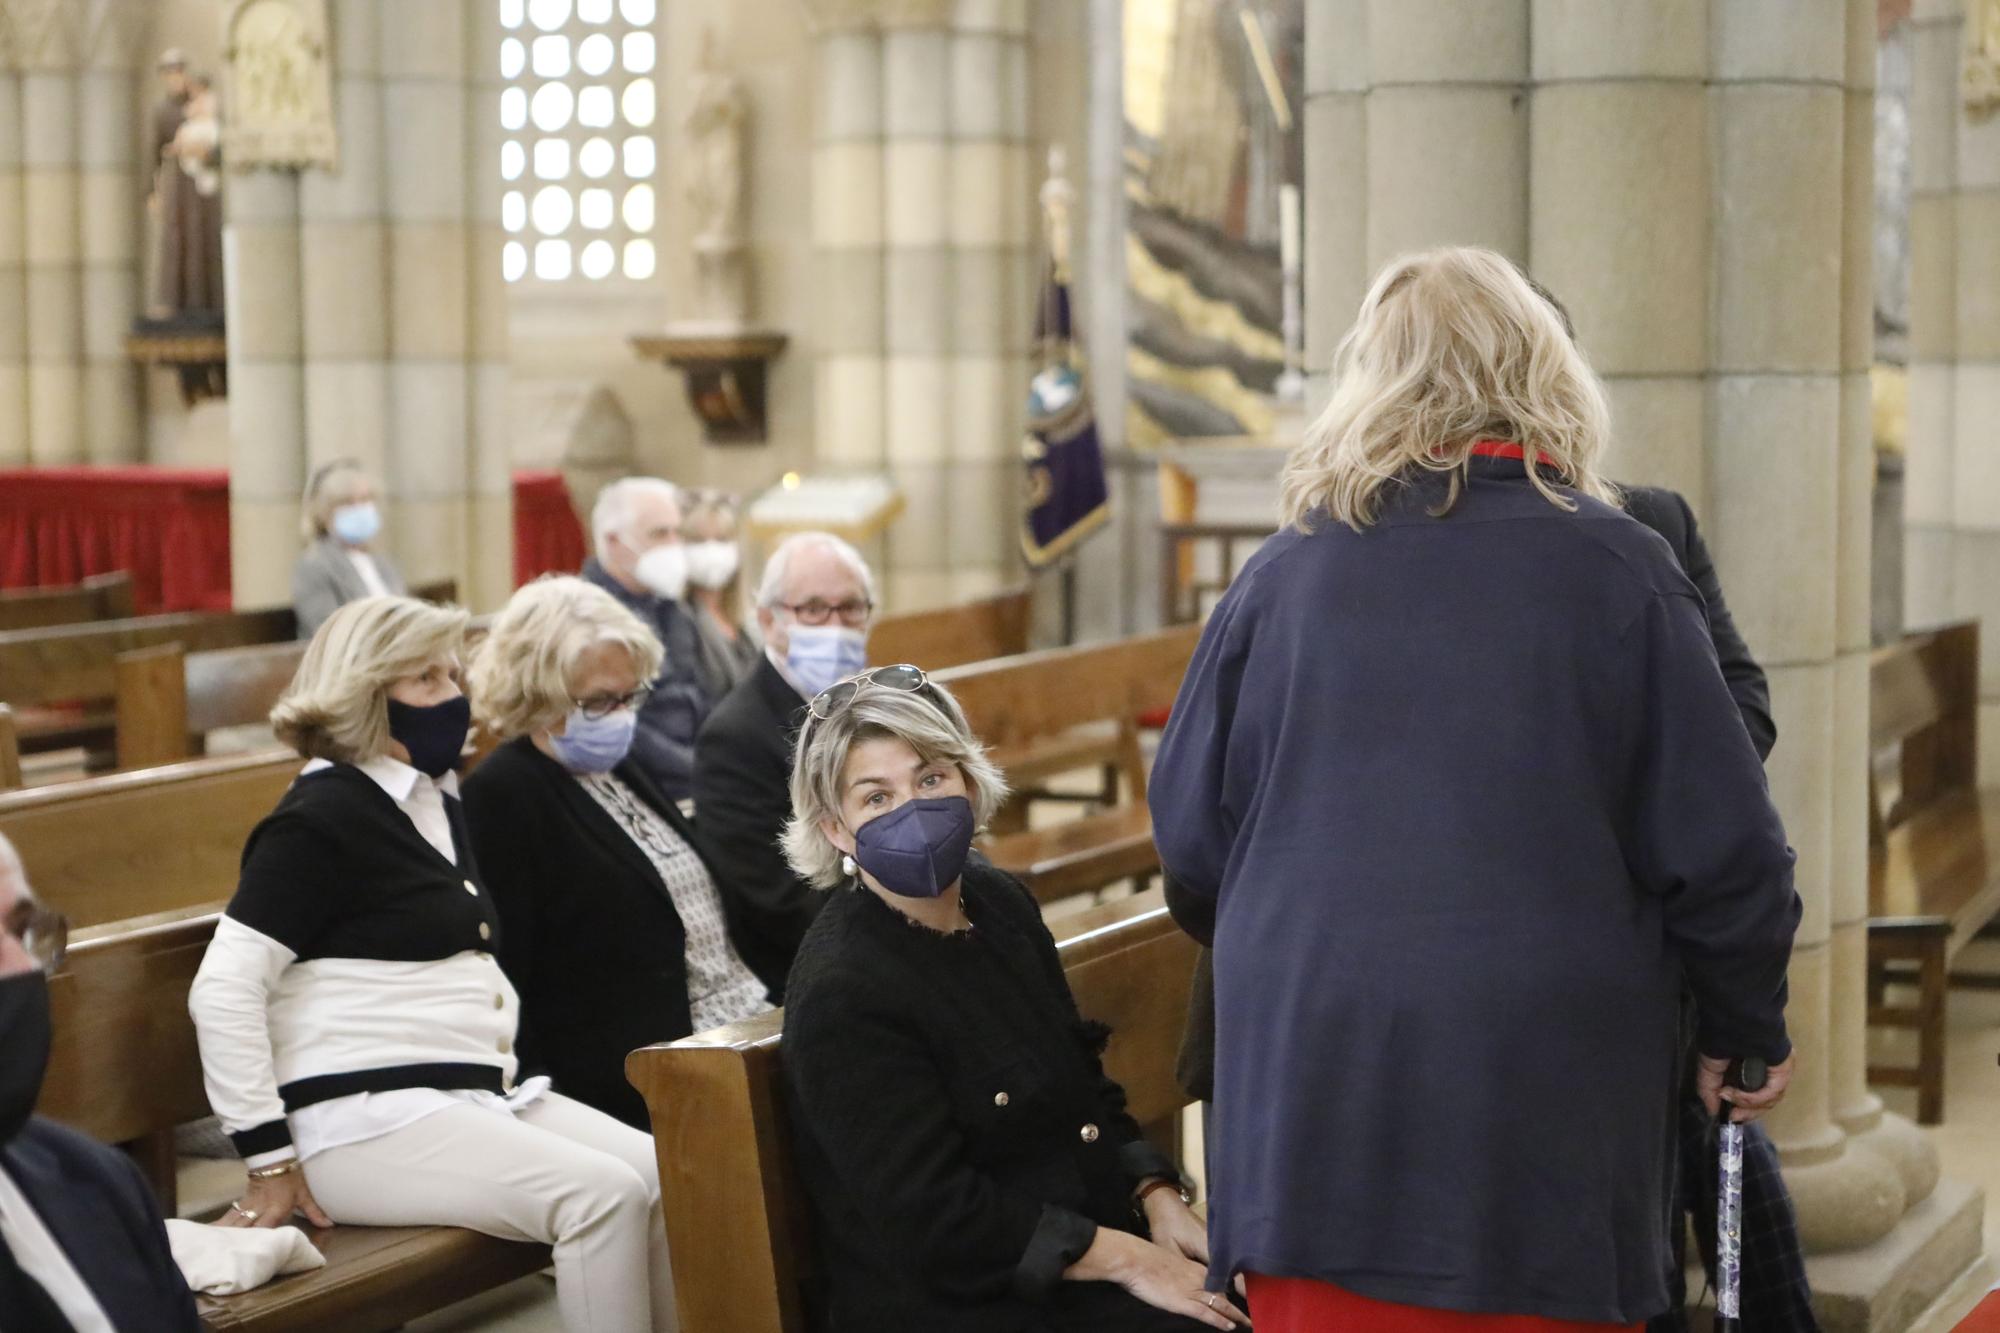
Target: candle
(1288,227)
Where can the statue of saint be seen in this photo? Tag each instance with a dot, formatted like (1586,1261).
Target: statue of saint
(715,153)
(187,198)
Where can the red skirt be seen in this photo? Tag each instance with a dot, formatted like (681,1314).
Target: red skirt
(1300,1305)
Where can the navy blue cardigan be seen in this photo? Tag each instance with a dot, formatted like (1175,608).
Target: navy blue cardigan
(1472,797)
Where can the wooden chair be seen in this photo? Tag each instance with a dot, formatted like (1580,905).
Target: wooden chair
(1030,711)
(952,636)
(1933,882)
(738,1225)
(99,597)
(125,1069)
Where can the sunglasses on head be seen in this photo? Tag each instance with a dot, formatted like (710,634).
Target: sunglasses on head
(903,678)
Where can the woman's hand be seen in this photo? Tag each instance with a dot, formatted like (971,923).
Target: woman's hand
(272,1201)
(1708,1077)
(1175,1226)
(1159,1277)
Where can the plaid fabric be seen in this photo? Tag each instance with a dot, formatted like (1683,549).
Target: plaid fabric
(1776,1298)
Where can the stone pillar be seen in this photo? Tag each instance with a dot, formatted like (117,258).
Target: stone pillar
(490,473)
(110,195)
(1928,484)
(267,429)
(13,278)
(48,35)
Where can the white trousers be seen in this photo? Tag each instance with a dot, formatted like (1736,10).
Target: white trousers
(559,1172)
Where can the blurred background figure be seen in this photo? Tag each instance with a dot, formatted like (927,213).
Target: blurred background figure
(341,563)
(729,649)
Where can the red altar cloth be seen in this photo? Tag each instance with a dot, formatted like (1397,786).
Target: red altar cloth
(170,528)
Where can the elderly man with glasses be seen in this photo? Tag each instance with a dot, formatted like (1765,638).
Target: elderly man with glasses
(82,1246)
(814,607)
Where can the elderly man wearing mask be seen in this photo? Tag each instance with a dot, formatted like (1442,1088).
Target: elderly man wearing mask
(642,562)
(814,606)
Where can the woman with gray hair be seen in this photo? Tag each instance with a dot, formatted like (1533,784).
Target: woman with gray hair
(971,1165)
(340,524)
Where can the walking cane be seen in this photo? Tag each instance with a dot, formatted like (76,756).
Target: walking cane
(1747,1074)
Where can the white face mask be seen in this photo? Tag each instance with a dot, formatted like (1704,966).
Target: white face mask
(664,570)
(711,564)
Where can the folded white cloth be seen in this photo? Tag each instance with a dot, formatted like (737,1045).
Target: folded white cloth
(221,1261)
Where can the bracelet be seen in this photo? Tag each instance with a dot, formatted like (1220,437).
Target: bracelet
(284,1168)
(1161,1183)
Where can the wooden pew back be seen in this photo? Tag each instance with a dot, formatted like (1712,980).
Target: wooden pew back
(1924,697)
(99,597)
(951,636)
(738,1223)
(44,666)
(10,751)
(1013,700)
(168,699)
(126,845)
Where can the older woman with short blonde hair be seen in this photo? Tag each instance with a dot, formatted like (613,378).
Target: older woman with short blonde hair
(612,929)
(969,1162)
(357,1036)
(341,522)
(1456,791)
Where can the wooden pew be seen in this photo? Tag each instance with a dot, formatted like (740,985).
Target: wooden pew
(952,636)
(738,1224)
(168,699)
(125,1069)
(1934,876)
(1027,708)
(10,751)
(99,597)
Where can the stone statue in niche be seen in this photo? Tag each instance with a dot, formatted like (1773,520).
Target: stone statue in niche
(188,194)
(280,86)
(715,130)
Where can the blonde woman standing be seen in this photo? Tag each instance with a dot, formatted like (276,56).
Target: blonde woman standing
(1456,777)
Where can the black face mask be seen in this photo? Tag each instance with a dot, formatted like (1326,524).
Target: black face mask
(24,1047)
(434,736)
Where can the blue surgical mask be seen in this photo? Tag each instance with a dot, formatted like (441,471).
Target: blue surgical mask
(821,655)
(595,745)
(358,524)
(918,849)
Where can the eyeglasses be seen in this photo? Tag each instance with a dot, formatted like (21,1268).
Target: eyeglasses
(44,933)
(604,705)
(853,614)
(832,701)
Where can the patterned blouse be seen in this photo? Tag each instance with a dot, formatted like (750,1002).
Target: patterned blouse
(720,988)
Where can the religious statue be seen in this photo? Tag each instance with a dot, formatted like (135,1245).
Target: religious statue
(280,86)
(187,199)
(715,188)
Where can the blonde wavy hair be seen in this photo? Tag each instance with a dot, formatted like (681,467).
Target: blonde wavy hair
(522,673)
(336,707)
(1452,346)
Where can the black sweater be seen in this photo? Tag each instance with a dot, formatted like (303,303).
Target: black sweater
(956,1130)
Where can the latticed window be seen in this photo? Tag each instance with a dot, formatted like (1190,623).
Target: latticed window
(578,160)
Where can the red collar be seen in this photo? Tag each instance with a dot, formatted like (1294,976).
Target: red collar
(1508,449)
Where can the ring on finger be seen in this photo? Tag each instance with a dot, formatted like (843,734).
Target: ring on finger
(247,1214)
(1209,1300)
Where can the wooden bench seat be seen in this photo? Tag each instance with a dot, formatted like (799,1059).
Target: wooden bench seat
(739,1227)
(951,636)
(99,597)
(1078,855)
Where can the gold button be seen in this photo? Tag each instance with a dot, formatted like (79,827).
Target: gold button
(472,888)
(999,1099)
(485,931)
(1089,1133)
(499,1002)
(505,1046)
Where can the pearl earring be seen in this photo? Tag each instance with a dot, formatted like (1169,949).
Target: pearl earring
(847,865)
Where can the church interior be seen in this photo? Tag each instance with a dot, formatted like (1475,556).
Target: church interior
(1028,302)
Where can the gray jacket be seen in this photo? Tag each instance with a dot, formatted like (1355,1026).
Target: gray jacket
(325,579)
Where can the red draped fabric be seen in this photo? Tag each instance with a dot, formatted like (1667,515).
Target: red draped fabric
(1300,1305)
(168,526)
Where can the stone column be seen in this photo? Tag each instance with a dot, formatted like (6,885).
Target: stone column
(993,255)
(111,199)
(267,430)
(1928,549)
(48,34)
(13,254)
(490,473)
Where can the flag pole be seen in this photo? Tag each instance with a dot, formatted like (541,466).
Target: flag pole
(1056,197)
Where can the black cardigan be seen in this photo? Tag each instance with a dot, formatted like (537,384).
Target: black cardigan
(956,1131)
(590,937)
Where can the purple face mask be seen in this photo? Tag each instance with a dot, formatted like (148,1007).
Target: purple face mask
(918,849)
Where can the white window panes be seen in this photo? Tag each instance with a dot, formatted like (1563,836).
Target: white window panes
(598,260)
(593,11)
(638,103)
(552,260)
(513,210)
(638,52)
(595,53)
(593,209)
(554,211)
(596,158)
(513,108)
(638,13)
(638,157)
(551,159)
(548,15)
(513,160)
(638,259)
(595,107)
(513,58)
(551,57)
(513,261)
(639,208)
(510,13)
(554,103)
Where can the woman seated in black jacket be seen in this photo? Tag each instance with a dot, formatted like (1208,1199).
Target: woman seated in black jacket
(613,931)
(964,1150)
